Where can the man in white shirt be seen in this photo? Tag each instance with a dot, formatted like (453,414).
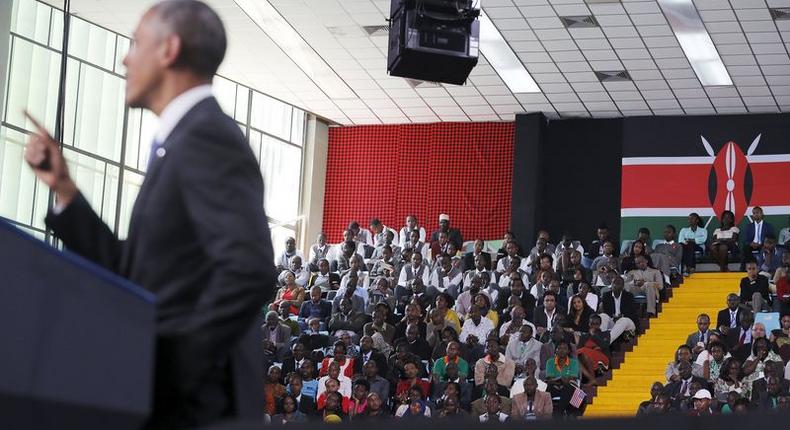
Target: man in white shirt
(320,249)
(476,328)
(566,246)
(301,274)
(284,260)
(445,278)
(405,232)
(479,270)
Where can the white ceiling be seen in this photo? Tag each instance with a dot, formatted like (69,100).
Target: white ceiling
(633,36)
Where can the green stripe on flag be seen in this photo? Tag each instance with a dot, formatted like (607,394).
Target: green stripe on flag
(629,226)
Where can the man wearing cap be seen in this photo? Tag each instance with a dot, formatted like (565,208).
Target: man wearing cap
(453,234)
(702,401)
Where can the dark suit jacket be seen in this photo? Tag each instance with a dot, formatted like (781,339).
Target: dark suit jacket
(453,234)
(673,388)
(198,240)
(469,260)
(760,390)
(528,301)
(379,358)
(539,316)
(748,236)
(627,306)
(723,318)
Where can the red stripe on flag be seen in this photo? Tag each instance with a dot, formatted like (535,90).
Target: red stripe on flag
(665,186)
(771,184)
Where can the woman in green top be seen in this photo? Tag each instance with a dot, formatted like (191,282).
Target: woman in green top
(561,371)
(562,368)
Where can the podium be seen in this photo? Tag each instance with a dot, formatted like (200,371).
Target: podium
(77,340)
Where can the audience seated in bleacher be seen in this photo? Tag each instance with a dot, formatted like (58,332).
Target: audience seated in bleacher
(401,327)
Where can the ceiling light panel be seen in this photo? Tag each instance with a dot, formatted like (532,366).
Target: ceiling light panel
(269,20)
(695,42)
(502,58)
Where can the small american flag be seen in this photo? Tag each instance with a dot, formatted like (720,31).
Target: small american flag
(578,397)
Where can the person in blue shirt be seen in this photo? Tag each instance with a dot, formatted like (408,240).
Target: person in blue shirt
(693,239)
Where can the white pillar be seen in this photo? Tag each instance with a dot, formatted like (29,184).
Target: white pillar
(313,182)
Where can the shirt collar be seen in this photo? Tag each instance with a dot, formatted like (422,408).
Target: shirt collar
(178,108)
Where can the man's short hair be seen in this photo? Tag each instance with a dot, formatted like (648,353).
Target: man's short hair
(671,227)
(375,222)
(203,39)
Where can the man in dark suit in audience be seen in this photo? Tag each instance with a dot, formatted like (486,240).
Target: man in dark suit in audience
(197,235)
(293,361)
(546,313)
(596,246)
(754,235)
(774,371)
(621,308)
(453,234)
(698,340)
(469,257)
(518,289)
(680,390)
(367,353)
(730,317)
(739,341)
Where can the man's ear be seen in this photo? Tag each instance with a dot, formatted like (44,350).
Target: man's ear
(172,47)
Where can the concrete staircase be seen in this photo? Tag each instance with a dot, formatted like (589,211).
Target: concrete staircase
(645,364)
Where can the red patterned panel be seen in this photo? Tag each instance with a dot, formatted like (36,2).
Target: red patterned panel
(390,171)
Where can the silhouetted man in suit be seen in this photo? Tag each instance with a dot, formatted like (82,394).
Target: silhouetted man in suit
(754,235)
(679,391)
(198,236)
(367,353)
(469,257)
(730,318)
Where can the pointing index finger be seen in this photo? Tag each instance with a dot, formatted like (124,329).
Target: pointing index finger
(40,128)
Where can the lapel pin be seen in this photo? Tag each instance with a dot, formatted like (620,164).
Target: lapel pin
(160,152)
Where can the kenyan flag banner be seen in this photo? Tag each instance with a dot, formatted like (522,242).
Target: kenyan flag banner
(677,165)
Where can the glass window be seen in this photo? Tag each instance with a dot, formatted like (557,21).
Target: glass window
(32,84)
(279,236)
(242,103)
(271,116)
(98,126)
(129,190)
(56,31)
(92,43)
(140,129)
(31,19)
(98,182)
(255,143)
(18,185)
(120,52)
(297,128)
(281,165)
(35,233)
(225,92)
(93,132)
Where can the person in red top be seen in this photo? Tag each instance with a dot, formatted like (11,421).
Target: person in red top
(346,364)
(332,386)
(411,371)
(783,286)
